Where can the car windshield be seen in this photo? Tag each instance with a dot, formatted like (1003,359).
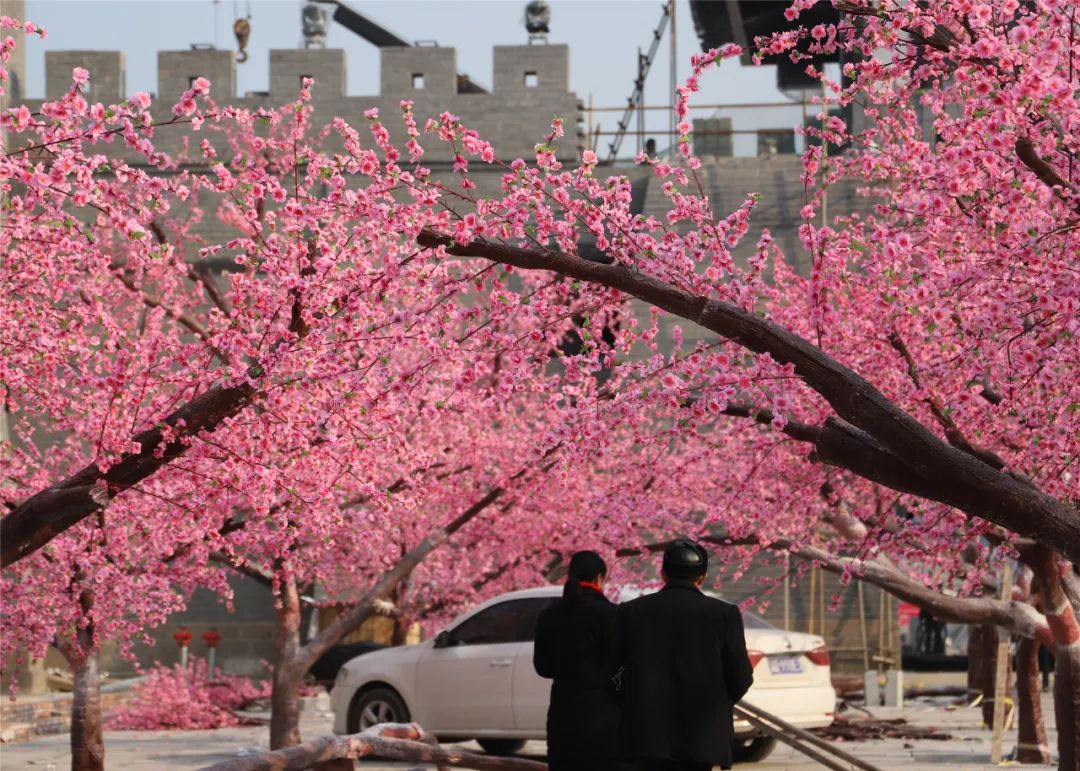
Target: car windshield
(754,621)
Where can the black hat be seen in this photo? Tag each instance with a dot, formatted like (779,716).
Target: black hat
(685,559)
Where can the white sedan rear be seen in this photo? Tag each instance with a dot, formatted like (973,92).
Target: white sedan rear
(475,680)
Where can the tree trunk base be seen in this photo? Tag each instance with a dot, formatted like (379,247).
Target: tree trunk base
(1032,746)
(87,744)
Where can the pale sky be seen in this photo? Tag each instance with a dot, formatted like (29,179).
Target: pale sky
(603,36)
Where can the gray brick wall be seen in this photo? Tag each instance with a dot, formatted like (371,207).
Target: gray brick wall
(549,64)
(15,88)
(401,67)
(514,117)
(176,70)
(106,69)
(326,66)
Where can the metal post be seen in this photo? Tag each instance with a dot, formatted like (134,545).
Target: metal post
(211,662)
(183,656)
(890,630)
(1001,670)
(821,603)
(824,155)
(590,142)
(810,602)
(787,592)
(674,82)
(882,620)
(802,93)
(641,102)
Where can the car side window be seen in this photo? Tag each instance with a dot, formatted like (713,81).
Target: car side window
(506,622)
(532,615)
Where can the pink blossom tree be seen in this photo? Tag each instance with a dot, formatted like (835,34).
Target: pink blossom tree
(247,422)
(926,357)
(930,349)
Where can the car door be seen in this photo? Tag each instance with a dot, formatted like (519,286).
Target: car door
(464,687)
(531,692)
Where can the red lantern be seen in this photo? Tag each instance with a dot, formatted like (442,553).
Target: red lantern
(211,638)
(183,637)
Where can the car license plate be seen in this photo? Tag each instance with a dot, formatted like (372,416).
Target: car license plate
(785,665)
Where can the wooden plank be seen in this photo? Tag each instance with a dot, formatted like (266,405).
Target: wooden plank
(1001,671)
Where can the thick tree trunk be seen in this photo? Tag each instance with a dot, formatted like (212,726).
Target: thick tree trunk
(1067,706)
(1032,746)
(982,645)
(1061,618)
(87,745)
(285,692)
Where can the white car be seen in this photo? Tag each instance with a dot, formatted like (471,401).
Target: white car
(475,680)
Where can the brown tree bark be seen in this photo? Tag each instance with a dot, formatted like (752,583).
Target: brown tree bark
(1032,746)
(982,648)
(287,677)
(87,744)
(1067,705)
(1061,616)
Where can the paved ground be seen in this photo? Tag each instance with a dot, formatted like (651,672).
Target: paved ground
(177,750)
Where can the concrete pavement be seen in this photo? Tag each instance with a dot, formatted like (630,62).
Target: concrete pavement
(182,750)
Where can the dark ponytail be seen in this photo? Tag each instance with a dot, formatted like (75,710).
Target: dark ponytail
(584,566)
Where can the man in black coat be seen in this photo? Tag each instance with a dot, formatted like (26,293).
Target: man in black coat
(684,664)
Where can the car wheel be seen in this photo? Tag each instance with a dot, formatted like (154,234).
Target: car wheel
(501,746)
(752,749)
(376,705)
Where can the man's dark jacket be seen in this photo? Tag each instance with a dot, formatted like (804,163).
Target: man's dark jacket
(685,666)
(574,647)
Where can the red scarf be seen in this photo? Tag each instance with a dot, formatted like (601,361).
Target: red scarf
(592,585)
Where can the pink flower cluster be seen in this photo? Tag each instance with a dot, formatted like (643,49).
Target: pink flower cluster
(186,698)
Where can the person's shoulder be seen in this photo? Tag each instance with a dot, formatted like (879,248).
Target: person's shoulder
(725,607)
(630,606)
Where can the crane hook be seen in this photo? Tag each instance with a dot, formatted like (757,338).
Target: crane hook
(242,30)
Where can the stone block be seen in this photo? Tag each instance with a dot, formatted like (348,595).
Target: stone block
(289,66)
(178,69)
(529,69)
(106,70)
(418,71)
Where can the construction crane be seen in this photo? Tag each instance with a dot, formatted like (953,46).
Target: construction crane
(644,64)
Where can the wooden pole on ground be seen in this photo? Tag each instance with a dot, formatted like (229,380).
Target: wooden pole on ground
(1001,670)
(862,628)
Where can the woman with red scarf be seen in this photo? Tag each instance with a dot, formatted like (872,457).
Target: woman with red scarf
(574,649)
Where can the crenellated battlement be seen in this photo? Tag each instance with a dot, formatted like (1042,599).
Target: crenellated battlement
(530,86)
(518,71)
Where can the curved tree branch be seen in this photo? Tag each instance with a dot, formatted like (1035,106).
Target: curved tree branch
(43,516)
(943,473)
